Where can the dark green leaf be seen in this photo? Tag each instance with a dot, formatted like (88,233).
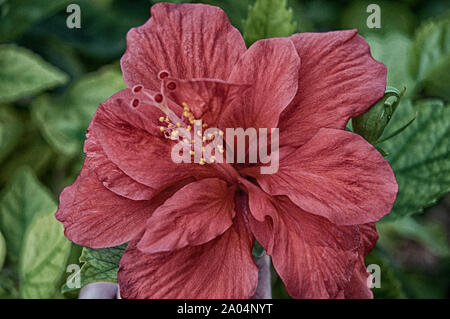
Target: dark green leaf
(257,250)
(419,156)
(63,122)
(430,58)
(99,265)
(429,235)
(10,130)
(104,25)
(268,19)
(391,287)
(395,17)
(18,15)
(25,155)
(23,73)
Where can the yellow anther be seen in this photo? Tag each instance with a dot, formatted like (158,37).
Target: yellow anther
(212,159)
(210,136)
(161,119)
(191,152)
(205,125)
(202,161)
(188,127)
(204,139)
(221,133)
(191,121)
(178,124)
(174,133)
(192,141)
(203,148)
(170,125)
(199,133)
(186,141)
(162,128)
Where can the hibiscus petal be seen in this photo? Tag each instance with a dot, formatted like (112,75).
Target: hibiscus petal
(206,98)
(260,214)
(369,238)
(110,175)
(357,287)
(271,68)
(187,40)
(338,80)
(95,217)
(337,175)
(222,268)
(196,214)
(314,258)
(132,141)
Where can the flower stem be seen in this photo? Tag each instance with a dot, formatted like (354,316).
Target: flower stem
(264,289)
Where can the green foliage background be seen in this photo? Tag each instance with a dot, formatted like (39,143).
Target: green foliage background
(52,78)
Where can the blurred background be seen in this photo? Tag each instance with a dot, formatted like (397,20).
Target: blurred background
(52,79)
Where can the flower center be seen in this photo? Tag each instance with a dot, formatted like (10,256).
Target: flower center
(185,129)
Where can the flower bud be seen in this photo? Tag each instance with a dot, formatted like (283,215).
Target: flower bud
(371,124)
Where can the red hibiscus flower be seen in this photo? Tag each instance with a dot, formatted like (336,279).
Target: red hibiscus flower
(191,226)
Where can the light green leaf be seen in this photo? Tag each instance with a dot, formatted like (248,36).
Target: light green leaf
(23,199)
(19,15)
(43,258)
(10,130)
(419,156)
(268,19)
(430,58)
(393,50)
(2,250)
(99,265)
(23,73)
(63,122)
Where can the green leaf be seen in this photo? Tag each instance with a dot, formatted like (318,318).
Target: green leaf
(99,265)
(64,121)
(10,130)
(419,156)
(19,15)
(430,58)
(391,287)
(30,144)
(104,25)
(430,235)
(23,199)
(268,19)
(258,250)
(23,73)
(2,250)
(395,17)
(43,258)
(393,50)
